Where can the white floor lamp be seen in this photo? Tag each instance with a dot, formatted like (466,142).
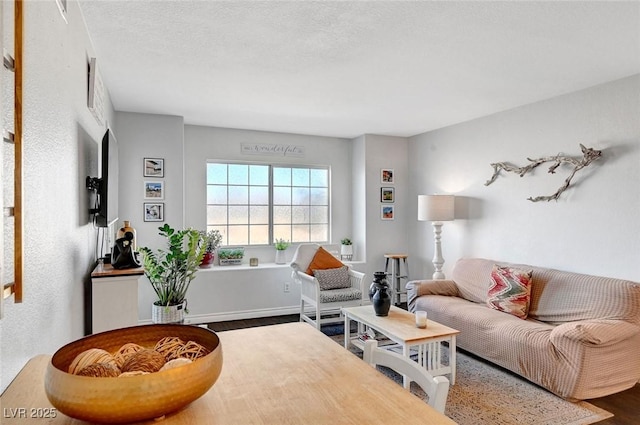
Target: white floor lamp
(436,208)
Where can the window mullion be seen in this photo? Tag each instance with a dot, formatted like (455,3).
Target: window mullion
(271,204)
(228,214)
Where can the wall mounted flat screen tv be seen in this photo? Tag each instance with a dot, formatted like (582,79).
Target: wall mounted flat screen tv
(106,186)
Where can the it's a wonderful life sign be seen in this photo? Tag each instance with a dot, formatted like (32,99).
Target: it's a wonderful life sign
(275,149)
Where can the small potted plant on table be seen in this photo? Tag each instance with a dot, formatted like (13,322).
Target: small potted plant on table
(211,240)
(171,271)
(281,246)
(229,256)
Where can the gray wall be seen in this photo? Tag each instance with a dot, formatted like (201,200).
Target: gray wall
(385,236)
(203,143)
(593,227)
(222,293)
(150,136)
(61,140)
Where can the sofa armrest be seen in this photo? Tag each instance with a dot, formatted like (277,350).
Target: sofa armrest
(417,288)
(601,332)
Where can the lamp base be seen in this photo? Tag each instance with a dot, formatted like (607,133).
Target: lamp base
(438,261)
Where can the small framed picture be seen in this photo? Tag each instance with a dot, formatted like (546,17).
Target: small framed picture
(154,189)
(387,195)
(386,212)
(153,167)
(153,211)
(386,175)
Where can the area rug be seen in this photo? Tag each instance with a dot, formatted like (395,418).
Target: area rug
(487,394)
(333,330)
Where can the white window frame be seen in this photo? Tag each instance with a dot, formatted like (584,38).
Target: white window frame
(271,223)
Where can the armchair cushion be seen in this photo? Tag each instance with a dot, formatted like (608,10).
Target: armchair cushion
(333,278)
(340,295)
(323,260)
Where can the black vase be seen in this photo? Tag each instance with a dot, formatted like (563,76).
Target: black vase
(379,295)
(379,278)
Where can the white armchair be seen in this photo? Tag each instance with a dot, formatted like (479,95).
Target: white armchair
(317,302)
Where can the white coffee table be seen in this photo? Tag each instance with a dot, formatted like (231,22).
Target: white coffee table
(400,327)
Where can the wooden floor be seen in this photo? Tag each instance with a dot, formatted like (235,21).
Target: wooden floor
(625,406)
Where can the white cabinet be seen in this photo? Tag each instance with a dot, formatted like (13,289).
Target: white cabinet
(114,297)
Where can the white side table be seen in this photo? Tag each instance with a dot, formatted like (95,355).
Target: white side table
(114,297)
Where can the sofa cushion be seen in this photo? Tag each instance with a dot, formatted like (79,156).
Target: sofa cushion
(471,276)
(560,296)
(492,334)
(323,260)
(556,296)
(510,290)
(333,278)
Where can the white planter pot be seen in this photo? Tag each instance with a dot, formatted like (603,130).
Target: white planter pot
(281,257)
(346,252)
(168,314)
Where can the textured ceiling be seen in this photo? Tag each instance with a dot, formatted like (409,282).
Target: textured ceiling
(350,68)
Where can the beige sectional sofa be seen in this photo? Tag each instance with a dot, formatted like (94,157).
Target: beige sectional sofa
(581,339)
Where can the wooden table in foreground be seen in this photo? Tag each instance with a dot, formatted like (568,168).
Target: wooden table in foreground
(400,327)
(281,374)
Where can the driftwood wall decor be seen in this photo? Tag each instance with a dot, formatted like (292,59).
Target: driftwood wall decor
(588,156)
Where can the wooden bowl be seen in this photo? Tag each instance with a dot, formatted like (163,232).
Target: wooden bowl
(135,398)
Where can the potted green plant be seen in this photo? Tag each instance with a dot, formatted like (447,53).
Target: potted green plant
(171,271)
(211,240)
(281,246)
(346,249)
(230,256)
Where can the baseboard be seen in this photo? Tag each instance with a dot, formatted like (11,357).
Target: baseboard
(195,319)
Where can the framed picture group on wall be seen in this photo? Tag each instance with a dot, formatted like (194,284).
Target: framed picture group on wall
(153,189)
(387,194)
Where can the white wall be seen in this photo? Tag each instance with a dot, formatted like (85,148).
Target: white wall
(355,197)
(222,293)
(203,143)
(593,228)
(385,236)
(150,136)
(232,293)
(358,233)
(61,140)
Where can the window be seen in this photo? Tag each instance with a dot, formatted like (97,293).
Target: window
(254,204)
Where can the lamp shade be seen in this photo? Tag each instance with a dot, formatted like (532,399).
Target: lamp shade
(435,207)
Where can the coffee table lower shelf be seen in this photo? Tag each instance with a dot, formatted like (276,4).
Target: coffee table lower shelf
(427,355)
(424,345)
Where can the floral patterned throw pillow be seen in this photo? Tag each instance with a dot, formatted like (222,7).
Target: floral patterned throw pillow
(510,290)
